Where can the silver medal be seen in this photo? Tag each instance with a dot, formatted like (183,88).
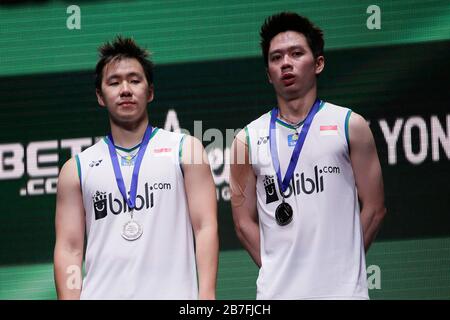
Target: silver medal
(132,230)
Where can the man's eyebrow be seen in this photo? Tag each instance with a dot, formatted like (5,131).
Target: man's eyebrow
(134,74)
(287,49)
(131,74)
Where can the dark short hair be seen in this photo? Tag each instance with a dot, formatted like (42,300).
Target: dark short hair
(119,49)
(290,21)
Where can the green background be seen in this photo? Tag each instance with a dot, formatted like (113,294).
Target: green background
(209,68)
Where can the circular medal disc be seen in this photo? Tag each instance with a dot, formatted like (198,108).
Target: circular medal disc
(284,214)
(132,230)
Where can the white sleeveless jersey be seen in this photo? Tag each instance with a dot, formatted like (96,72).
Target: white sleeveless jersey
(161,263)
(320,254)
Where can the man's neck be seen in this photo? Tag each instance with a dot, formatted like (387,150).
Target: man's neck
(296,110)
(128,136)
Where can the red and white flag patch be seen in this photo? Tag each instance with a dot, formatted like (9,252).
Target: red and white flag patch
(162,150)
(330,130)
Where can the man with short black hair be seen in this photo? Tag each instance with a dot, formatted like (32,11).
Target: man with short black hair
(139,196)
(307,165)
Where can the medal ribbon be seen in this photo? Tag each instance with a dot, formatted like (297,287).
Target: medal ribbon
(284,183)
(131,201)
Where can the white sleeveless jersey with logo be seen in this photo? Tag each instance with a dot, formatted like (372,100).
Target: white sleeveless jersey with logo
(161,263)
(320,254)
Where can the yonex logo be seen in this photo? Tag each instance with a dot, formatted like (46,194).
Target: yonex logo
(263,140)
(95,163)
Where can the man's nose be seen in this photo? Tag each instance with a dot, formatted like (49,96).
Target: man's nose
(287,63)
(125,89)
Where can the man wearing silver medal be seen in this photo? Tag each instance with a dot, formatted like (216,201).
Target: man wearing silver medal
(307,189)
(145,198)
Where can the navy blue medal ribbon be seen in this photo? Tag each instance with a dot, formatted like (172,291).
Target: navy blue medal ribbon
(284,183)
(131,201)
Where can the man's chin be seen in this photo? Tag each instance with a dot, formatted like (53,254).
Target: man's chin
(290,93)
(127,119)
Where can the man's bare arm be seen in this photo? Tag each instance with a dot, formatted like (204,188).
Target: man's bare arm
(70,228)
(243,198)
(201,196)
(368,177)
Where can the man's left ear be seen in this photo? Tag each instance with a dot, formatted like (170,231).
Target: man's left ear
(320,64)
(268,75)
(150,93)
(100,99)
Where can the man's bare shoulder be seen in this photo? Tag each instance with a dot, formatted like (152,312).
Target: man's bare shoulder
(68,175)
(358,126)
(241,137)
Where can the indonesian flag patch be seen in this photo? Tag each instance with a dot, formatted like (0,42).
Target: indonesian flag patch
(163,152)
(330,130)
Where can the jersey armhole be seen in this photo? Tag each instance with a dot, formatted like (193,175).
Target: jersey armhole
(78,167)
(247,139)
(347,135)
(180,154)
